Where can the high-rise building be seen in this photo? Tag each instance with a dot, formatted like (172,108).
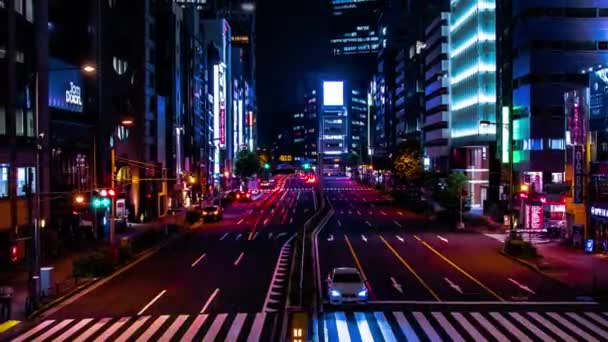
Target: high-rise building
(545,50)
(473,93)
(437,84)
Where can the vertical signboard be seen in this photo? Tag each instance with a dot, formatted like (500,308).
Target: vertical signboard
(535,216)
(598,99)
(505,141)
(222,123)
(577,113)
(578,165)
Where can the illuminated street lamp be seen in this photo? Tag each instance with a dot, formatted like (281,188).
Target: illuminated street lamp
(192,180)
(89,69)
(79,199)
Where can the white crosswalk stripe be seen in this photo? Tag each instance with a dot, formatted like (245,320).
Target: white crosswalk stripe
(462,326)
(203,327)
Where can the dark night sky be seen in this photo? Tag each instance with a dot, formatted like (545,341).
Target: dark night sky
(291,40)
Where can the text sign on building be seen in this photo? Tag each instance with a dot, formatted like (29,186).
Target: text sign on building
(578,166)
(222,123)
(65,86)
(601,212)
(535,216)
(598,100)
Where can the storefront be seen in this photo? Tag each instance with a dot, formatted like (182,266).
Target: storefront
(598,224)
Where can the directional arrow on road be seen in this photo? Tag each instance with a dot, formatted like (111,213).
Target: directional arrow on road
(358,212)
(522,286)
(382,212)
(398,224)
(270,235)
(238,237)
(331,237)
(396,285)
(339,223)
(452,285)
(367,223)
(363,238)
(400,238)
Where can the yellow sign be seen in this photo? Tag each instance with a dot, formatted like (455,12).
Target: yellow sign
(285,158)
(240,39)
(299,327)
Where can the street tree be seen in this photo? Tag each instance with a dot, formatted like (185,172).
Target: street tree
(407,164)
(247,164)
(352,159)
(449,195)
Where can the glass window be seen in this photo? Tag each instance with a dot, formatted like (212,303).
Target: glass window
(19,6)
(24,181)
(19,122)
(3,181)
(30,124)
(29,11)
(2,120)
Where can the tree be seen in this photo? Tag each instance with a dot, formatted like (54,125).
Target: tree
(407,165)
(449,196)
(246,164)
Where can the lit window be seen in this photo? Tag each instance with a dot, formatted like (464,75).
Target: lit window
(557,177)
(19,6)
(120,66)
(19,122)
(29,11)
(557,144)
(26,177)
(20,57)
(4,181)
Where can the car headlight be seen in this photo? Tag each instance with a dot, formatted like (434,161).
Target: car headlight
(362,293)
(216,212)
(334,293)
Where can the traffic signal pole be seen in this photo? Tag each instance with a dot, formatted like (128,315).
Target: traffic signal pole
(112,204)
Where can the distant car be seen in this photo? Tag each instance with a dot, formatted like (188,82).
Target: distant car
(212,213)
(243,196)
(345,285)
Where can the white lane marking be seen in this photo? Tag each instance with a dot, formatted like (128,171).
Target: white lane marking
(400,238)
(530,326)
(426,326)
(235,328)
(363,238)
(368,223)
(280,265)
(331,237)
(210,300)
(325,331)
(254,236)
(339,223)
(112,329)
(173,328)
(132,329)
(448,327)
(510,327)
(572,327)
(215,327)
(198,260)
(31,332)
(522,286)
(552,327)
(236,262)
(442,238)
(93,329)
(453,285)
(383,213)
(405,327)
(53,330)
(238,237)
(223,236)
(396,285)
(358,212)
(598,318)
(141,312)
(398,224)
(291,220)
(341,211)
(468,327)
(400,213)
(584,322)
(350,211)
(298,197)
(256,328)
(342,326)
(385,328)
(491,328)
(364,332)
(370,212)
(194,327)
(240,221)
(72,330)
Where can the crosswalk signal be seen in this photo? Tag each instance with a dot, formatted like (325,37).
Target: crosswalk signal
(306,166)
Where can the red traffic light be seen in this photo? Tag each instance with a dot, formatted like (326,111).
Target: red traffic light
(14,255)
(111,192)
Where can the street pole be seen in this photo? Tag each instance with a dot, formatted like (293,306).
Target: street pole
(510,206)
(112,204)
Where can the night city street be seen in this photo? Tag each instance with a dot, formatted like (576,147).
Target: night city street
(303,170)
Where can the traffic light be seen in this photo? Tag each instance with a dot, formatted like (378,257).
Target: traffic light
(306,166)
(14,254)
(104,198)
(266,166)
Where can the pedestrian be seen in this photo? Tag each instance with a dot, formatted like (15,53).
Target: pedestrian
(6,297)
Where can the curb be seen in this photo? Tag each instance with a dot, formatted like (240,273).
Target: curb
(42,310)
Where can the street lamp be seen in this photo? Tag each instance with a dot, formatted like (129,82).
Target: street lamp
(126,121)
(89,69)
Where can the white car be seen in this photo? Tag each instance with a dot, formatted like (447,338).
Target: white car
(345,285)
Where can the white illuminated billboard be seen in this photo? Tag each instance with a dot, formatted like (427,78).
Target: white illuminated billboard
(333,93)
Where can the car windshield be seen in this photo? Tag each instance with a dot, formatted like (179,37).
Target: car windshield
(346,278)
(209,209)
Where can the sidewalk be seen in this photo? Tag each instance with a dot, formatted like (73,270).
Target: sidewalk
(62,269)
(575,267)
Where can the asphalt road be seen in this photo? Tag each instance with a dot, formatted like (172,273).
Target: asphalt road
(224,267)
(405,258)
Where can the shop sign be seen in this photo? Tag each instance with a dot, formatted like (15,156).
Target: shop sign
(535,216)
(601,212)
(222,123)
(578,174)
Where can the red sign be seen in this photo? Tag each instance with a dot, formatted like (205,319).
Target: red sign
(222,123)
